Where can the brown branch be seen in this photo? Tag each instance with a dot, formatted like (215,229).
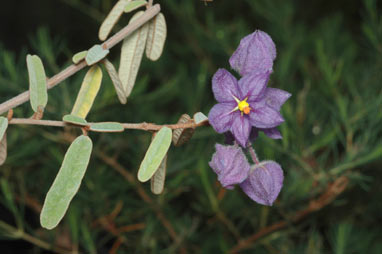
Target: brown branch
(74,68)
(332,191)
(137,126)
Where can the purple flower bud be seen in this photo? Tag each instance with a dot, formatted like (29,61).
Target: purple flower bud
(264,182)
(230,164)
(255,53)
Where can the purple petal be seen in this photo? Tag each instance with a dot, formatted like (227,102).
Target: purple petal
(264,182)
(272,133)
(275,98)
(265,117)
(230,164)
(253,86)
(241,127)
(256,51)
(221,116)
(224,85)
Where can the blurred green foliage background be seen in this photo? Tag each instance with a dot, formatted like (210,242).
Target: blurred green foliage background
(329,58)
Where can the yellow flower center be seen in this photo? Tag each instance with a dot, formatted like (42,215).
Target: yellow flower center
(243,106)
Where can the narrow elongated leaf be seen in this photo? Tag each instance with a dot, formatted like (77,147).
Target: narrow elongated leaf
(111,19)
(78,57)
(156,37)
(3,126)
(107,127)
(131,55)
(67,182)
(155,154)
(89,89)
(133,5)
(37,82)
(74,120)
(3,149)
(96,54)
(158,179)
(181,136)
(200,117)
(116,81)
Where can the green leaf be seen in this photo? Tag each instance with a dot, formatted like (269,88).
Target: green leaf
(111,19)
(181,136)
(200,117)
(3,149)
(74,120)
(96,54)
(156,37)
(67,182)
(158,179)
(3,126)
(133,47)
(107,127)
(155,154)
(89,89)
(78,57)
(116,81)
(37,82)
(133,5)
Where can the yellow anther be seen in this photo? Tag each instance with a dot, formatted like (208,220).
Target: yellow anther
(243,104)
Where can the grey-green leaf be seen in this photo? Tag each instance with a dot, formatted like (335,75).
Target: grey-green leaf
(96,54)
(158,179)
(107,127)
(181,136)
(133,5)
(116,81)
(3,149)
(155,154)
(132,50)
(37,82)
(156,37)
(74,120)
(78,57)
(111,19)
(67,182)
(200,117)
(3,126)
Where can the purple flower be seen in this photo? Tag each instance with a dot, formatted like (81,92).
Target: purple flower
(243,104)
(264,182)
(255,53)
(230,164)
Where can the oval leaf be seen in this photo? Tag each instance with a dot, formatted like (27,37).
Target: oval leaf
(3,126)
(158,179)
(3,149)
(133,5)
(74,120)
(155,154)
(200,117)
(156,37)
(107,127)
(116,81)
(96,54)
(37,82)
(131,55)
(111,19)
(78,57)
(89,89)
(181,136)
(67,182)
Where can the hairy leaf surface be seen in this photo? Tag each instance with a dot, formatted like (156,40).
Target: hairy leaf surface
(67,182)
(96,54)
(78,57)
(74,120)
(37,82)
(156,37)
(158,179)
(116,81)
(133,5)
(111,19)
(107,127)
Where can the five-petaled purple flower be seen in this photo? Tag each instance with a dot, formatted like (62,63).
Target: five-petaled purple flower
(244,108)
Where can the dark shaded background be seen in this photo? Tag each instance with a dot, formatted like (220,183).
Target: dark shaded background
(329,58)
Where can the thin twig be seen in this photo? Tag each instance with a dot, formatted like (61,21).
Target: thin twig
(332,191)
(74,68)
(137,126)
